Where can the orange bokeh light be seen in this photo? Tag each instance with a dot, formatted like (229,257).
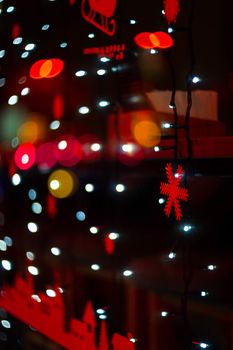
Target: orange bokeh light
(156,40)
(147,133)
(46,68)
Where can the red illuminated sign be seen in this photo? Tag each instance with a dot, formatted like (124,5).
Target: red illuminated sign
(46,68)
(46,314)
(99,13)
(115,51)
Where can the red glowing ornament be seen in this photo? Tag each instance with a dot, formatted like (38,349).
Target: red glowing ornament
(46,68)
(25,156)
(58,107)
(47,315)
(15,32)
(171,9)
(99,13)
(68,150)
(173,191)
(156,40)
(46,156)
(109,245)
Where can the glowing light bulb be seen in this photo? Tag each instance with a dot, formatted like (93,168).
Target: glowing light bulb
(32,227)
(30,256)
(211,267)
(25,91)
(17,40)
(164,313)
(62,145)
(170,30)
(80,73)
(6,264)
(95,147)
(94,230)
(5,324)
(33,270)
(32,194)
(156,148)
(25,54)
(101,71)
(10,9)
(80,216)
(30,47)
(2,53)
(36,208)
(45,27)
(89,187)
(196,79)
(166,125)
(95,267)
(91,35)
(172,255)
(187,228)
(54,184)
(132,21)
(3,246)
(51,293)
(103,317)
(120,188)
(100,311)
(84,110)
(8,240)
(161,201)
(36,298)
(13,100)
(104,59)
(54,125)
(204,293)
(16,179)
(103,103)
(127,273)
(55,251)
(113,236)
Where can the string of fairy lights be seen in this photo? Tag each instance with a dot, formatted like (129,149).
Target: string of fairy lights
(59,178)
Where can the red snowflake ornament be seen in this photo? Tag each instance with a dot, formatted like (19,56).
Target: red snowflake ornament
(171,9)
(173,191)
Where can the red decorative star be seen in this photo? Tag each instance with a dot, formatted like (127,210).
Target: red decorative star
(173,190)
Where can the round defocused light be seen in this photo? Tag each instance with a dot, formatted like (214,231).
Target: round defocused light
(6,264)
(62,183)
(120,188)
(94,230)
(32,227)
(33,270)
(55,251)
(16,179)
(89,187)
(127,273)
(95,267)
(80,216)
(51,293)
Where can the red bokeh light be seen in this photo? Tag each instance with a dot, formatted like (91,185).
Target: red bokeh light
(46,68)
(68,150)
(25,156)
(58,107)
(15,32)
(46,156)
(156,40)
(143,40)
(161,40)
